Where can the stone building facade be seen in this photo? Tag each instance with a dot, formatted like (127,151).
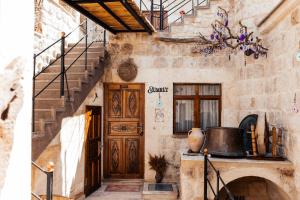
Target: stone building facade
(262,86)
(267,85)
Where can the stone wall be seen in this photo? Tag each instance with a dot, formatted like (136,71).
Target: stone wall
(262,86)
(16,39)
(269,85)
(252,188)
(278,178)
(161,64)
(52,18)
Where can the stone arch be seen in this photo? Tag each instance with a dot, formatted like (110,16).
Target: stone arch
(254,187)
(274,177)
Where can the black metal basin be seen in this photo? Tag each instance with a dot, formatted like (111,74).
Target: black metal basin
(225,142)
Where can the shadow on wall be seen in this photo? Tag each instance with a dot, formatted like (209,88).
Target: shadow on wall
(252,187)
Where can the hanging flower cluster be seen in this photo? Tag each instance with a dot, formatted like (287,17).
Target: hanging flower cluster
(222,38)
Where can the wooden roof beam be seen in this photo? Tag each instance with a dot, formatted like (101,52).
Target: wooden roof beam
(89,15)
(135,15)
(93,1)
(100,2)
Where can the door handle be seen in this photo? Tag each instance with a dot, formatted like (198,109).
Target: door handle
(140,129)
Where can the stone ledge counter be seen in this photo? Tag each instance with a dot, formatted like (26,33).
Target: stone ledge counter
(277,173)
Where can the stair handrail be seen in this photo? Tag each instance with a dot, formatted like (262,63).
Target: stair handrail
(49,186)
(37,54)
(162,7)
(63,71)
(207,182)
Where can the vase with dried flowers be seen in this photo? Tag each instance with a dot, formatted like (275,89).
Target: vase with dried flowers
(159,164)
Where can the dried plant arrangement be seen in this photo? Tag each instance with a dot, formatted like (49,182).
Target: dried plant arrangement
(159,164)
(223,37)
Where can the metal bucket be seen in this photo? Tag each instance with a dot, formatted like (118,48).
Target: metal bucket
(225,142)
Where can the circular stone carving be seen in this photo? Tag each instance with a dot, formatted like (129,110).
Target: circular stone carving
(127,70)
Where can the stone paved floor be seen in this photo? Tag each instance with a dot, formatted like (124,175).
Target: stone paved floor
(101,194)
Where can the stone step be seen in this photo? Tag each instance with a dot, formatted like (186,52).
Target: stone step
(80,61)
(93,55)
(74,68)
(44,126)
(81,49)
(82,45)
(46,103)
(56,92)
(44,113)
(40,84)
(70,76)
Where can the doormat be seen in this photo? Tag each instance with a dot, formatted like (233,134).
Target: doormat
(123,188)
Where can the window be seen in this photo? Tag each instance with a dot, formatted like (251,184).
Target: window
(196,105)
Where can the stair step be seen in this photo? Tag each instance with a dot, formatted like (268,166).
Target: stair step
(43,126)
(74,55)
(42,103)
(44,113)
(70,76)
(82,45)
(56,92)
(40,84)
(81,49)
(80,61)
(74,68)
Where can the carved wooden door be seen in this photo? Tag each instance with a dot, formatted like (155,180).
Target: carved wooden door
(124,131)
(92,149)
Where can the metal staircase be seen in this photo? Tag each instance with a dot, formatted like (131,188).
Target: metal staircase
(61,86)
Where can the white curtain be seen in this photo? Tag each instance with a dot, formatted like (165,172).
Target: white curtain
(184,115)
(185,89)
(211,89)
(209,113)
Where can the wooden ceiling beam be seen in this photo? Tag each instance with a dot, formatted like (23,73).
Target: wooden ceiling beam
(135,15)
(93,1)
(100,2)
(89,15)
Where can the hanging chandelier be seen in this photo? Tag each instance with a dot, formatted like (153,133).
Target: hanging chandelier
(222,38)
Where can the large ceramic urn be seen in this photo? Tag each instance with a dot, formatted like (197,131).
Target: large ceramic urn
(195,139)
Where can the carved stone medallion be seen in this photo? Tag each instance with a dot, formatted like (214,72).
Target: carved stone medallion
(127,70)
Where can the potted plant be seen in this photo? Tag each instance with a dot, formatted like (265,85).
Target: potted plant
(159,165)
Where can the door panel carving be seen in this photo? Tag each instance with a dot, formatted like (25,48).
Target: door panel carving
(132,104)
(124,125)
(123,128)
(115,99)
(115,156)
(132,156)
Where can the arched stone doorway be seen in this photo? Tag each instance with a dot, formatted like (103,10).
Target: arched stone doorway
(253,187)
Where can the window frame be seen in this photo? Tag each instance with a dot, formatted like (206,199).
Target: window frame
(197,98)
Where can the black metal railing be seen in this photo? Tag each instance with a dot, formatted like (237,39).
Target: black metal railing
(166,12)
(49,185)
(63,69)
(207,183)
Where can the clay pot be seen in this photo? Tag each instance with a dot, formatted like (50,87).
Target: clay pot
(195,139)
(158,177)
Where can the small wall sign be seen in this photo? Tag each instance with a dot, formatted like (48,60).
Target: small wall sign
(157,89)
(159,115)
(298,56)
